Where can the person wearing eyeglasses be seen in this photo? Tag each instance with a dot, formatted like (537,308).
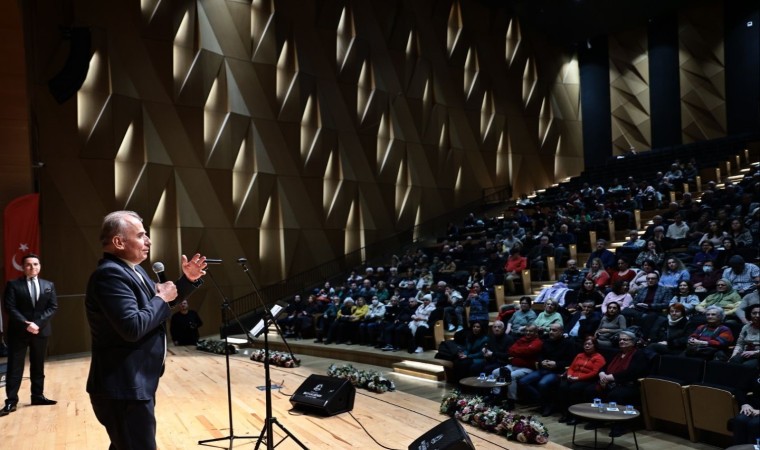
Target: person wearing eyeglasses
(640,279)
(725,298)
(618,381)
(583,323)
(652,299)
(521,318)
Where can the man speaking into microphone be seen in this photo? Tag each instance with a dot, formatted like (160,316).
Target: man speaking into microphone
(127,311)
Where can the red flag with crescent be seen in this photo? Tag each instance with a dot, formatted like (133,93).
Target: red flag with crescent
(22,232)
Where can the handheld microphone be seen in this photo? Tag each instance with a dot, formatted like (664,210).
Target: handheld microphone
(158,269)
(213,261)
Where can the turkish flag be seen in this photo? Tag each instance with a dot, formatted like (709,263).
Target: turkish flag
(22,232)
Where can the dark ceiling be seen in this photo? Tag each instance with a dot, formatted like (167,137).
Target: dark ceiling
(567,22)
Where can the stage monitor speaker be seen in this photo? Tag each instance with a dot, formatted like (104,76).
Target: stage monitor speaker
(448,435)
(326,396)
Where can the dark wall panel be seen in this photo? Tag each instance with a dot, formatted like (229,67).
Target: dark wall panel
(663,82)
(595,101)
(742,47)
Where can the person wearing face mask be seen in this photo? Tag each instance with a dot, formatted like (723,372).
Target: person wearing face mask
(369,327)
(706,278)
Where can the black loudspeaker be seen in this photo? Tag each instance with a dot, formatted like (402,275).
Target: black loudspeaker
(68,81)
(448,435)
(325,396)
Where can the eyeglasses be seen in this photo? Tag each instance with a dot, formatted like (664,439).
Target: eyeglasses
(625,340)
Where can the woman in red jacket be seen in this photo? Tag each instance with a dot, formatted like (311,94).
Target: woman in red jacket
(581,374)
(516,263)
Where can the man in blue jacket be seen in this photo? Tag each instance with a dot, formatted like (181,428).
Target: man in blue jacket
(127,314)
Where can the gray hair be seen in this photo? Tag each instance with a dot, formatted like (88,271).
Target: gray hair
(718,309)
(114,224)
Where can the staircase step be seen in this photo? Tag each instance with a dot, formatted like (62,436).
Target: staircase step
(426,371)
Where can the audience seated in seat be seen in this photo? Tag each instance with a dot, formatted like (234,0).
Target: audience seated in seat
(556,353)
(618,381)
(712,339)
(581,375)
(470,354)
(747,350)
(525,354)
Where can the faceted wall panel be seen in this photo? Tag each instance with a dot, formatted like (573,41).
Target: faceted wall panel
(703,91)
(629,90)
(291,132)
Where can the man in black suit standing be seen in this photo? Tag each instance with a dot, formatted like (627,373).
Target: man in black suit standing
(127,314)
(31,303)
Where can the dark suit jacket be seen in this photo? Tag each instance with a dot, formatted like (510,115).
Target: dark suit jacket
(18,303)
(587,327)
(128,331)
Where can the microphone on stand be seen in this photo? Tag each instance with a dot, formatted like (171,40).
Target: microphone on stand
(158,269)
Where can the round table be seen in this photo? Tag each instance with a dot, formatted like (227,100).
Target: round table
(594,414)
(477,383)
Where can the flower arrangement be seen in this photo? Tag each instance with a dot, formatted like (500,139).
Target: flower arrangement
(280,359)
(366,379)
(215,346)
(478,412)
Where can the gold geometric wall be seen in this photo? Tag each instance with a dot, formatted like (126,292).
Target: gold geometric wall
(290,132)
(629,90)
(702,72)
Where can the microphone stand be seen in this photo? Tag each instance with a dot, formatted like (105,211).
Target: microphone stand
(225,321)
(267,433)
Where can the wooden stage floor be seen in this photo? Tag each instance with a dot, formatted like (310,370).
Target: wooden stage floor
(192,405)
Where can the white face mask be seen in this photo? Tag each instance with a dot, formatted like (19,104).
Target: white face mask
(707,268)
(375,302)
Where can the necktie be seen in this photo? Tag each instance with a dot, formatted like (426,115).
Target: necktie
(33,290)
